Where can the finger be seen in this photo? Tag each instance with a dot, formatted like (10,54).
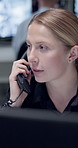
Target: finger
(21,61)
(18,64)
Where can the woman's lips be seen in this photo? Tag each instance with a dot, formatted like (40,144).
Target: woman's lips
(37,71)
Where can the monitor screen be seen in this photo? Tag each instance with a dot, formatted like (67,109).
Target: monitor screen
(32,128)
(76,7)
(12,13)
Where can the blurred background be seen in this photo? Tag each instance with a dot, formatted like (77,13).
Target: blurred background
(12,14)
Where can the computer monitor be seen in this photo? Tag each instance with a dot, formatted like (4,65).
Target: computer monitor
(12,13)
(31,128)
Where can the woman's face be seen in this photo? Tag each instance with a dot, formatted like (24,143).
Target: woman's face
(46,54)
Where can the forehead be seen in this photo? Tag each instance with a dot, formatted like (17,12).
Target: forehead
(40,32)
(38,28)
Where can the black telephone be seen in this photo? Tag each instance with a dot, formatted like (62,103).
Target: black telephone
(21,79)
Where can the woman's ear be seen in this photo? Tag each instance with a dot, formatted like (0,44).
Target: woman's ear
(73,54)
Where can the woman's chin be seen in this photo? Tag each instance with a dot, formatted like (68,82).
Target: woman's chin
(39,80)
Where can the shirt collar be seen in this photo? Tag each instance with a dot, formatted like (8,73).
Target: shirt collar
(74,100)
(41,95)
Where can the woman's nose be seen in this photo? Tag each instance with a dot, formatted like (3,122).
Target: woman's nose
(33,57)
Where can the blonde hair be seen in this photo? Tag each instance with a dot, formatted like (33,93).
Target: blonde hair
(62,23)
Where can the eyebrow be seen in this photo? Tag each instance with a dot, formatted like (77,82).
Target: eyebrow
(41,42)
(38,42)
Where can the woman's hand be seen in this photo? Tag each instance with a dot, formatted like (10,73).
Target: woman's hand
(19,66)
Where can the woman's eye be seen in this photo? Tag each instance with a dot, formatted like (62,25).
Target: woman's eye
(42,47)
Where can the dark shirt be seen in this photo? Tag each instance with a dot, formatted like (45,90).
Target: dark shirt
(39,99)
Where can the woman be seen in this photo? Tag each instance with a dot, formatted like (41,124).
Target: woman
(52,42)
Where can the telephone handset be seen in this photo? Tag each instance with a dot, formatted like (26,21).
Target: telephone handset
(22,80)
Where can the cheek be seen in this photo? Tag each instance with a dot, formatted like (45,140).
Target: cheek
(57,62)
(55,65)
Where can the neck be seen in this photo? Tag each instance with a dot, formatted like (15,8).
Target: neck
(62,91)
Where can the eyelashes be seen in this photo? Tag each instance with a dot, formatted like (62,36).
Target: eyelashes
(43,47)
